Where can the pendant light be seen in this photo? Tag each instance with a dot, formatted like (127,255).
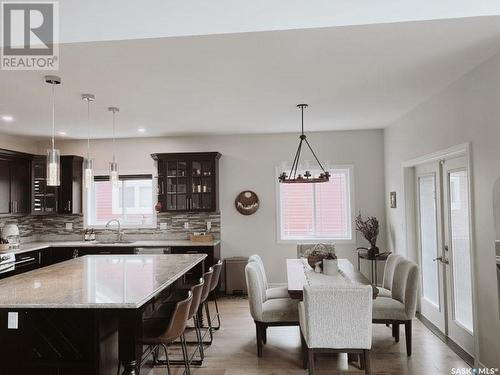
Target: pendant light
(53,155)
(324,176)
(113,165)
(88,162)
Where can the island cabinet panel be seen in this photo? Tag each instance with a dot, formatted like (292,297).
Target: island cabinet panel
(188,182)
(60,254)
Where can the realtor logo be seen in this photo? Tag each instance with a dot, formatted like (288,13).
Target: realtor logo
(30,35)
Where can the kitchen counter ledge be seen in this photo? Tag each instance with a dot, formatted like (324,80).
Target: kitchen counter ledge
(32,246)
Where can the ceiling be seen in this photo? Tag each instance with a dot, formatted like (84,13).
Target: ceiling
(353,77)
(98,20)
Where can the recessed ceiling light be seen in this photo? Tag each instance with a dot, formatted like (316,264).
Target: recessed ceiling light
(61,133)
(7,118)
(141,130)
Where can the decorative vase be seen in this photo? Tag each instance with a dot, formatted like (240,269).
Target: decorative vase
(313,259)
(330,266)
(373,251)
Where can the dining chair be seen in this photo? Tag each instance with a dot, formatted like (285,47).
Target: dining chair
(400,308)
(336,319)
(213,290)
(390,267)
(207,278)
(276,292)
(156,332)
(267,312)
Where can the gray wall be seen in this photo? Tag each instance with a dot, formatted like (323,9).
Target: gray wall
(467,111)
(249,162)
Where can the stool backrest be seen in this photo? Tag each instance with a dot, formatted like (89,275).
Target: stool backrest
(207,278)
(216,276)
(179,319)
(195,304)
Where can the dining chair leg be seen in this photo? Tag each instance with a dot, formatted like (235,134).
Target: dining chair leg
(198,336)
(303,346)
(408,337)
(165,349)
(264,334)
(185,354)
(367,361)
(310,355)
(395,331)
(258,335)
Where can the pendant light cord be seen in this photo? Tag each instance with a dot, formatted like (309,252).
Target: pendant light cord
(114,148)
(53,116)
(88,129)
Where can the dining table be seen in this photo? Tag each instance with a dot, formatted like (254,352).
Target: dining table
(300,273)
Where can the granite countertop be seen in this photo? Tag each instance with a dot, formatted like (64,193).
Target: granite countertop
(30,246)
(102,281)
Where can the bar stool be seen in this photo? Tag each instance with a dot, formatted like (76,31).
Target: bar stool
(207,277)
(156,334)
(196,290)
(215,282)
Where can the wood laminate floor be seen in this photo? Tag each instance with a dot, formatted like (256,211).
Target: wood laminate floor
(234,351)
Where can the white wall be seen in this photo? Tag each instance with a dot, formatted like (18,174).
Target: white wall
(248,162)
(21,144)
(468,110)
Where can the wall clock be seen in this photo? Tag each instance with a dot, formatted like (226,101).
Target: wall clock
(247,202)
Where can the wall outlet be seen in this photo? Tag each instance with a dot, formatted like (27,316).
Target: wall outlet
(186,225)
(69,226)
(163,226)
(12,320)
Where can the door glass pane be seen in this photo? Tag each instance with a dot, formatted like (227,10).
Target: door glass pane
(460,247)
(428,238)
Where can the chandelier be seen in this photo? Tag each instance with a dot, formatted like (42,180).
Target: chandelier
(293,177)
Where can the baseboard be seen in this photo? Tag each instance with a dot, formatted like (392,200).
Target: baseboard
(449,342)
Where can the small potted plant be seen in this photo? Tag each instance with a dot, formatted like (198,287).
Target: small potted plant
(4,244)
(317,253)
(330,264)
(369,228)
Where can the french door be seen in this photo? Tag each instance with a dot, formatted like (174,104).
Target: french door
(443,233)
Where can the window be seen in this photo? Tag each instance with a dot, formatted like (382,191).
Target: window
(131,202)
(319,211)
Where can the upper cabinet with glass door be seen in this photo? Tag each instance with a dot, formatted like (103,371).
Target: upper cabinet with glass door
(187,181)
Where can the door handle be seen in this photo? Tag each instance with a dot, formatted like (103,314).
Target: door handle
(442,260)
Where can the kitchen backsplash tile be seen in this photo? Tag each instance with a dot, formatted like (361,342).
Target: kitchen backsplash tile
(53,227)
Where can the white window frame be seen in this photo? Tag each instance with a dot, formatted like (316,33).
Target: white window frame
(90,202)
(351,210)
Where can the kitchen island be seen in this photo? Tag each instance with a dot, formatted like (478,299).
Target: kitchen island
(83,315)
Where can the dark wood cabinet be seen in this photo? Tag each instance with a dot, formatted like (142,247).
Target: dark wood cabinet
(213,256)
(188,181)
(44,198)
(70,191)
(63,199)
(15,182)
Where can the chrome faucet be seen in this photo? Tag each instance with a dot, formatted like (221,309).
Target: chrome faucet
(119,233)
